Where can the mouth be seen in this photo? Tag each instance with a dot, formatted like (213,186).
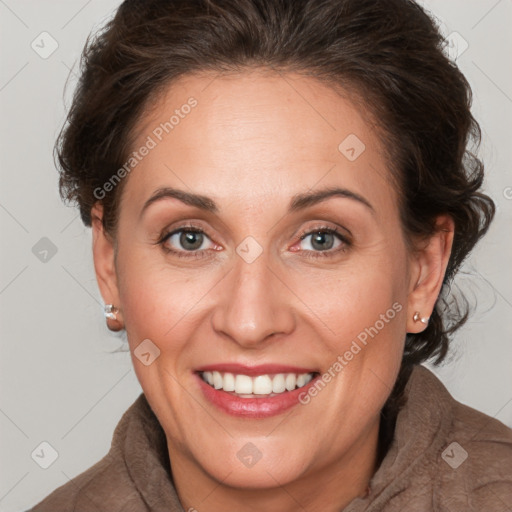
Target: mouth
(250,393)
(259,386)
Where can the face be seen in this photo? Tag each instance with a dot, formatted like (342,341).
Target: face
(264,278)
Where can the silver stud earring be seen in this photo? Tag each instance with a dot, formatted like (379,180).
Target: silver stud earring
(110,311)
(418,318)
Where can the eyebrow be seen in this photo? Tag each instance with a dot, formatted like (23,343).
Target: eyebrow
(298,201)
(195,200)
(307,199)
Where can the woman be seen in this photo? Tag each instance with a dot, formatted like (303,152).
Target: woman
(314,154)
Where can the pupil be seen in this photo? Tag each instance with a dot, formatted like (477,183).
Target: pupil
(320,238)
(188,237)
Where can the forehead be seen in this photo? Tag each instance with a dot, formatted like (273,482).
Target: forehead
(254,134)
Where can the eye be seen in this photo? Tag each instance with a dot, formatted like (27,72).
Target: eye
(186,242)
(323,241)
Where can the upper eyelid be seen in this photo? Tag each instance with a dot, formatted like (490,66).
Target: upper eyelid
(334,231)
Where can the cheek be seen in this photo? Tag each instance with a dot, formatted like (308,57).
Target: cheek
(159,301)
(344,302)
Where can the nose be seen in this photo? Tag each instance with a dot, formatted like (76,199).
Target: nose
(254,304)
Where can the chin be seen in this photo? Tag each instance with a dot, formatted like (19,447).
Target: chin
(263,475)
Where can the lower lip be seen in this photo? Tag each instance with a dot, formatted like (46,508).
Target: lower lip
(253,407)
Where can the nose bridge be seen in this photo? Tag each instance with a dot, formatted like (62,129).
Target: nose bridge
(253,304)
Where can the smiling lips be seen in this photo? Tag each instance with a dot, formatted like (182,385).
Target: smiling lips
(234,388)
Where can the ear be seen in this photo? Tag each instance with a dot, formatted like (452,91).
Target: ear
(103,248)
(428,267)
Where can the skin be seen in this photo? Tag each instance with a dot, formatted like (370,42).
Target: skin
(253,142)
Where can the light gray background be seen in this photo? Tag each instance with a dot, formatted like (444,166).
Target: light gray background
(58,382)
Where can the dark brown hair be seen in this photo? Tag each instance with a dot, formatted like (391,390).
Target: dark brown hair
(387,52)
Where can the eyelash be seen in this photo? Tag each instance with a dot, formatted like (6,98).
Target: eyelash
(191,228)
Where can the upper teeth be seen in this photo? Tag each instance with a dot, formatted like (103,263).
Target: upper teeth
(259,385)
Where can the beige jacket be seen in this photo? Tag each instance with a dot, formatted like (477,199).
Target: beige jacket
(445,457)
